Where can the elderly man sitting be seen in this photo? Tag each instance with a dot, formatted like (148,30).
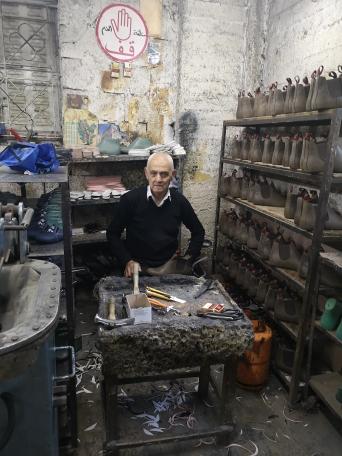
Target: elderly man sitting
(152,216)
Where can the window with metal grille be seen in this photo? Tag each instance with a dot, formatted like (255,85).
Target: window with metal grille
(29,67)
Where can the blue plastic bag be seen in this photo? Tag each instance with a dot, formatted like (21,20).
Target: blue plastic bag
(26,156)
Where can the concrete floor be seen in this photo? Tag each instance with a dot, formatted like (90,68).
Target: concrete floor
(264,424)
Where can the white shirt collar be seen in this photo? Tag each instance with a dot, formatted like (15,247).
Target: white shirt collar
(159,204)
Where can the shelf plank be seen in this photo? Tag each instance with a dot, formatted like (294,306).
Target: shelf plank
(94,202)
(46,250)
(290,328)
(276,214)
(117,158)
(314,180)
(303,118)
(60,176)
(332,259)
(325,386)
(89,238)
(330,334)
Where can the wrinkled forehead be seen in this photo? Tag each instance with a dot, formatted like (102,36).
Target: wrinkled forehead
(160,164)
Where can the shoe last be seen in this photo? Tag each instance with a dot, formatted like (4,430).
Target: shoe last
(254,234)
(289,96)
(265,243)
(244,187)
(270,101)
(271,295)
(287,151)
(278,153)
(334,220)
(247,103)
(296,152)
(263,100)
(329,92)
(299,205)
(284,254)
(305,151)
(245,147)
(257,99)
(261,289)
(307,219)
(268,150)
(255,153)
(300,95)
(225,185)
(290,205)
(251,190)
(318,75)
(315,157)
(235,185)
(309,104)
(224,222)
(238,110)
(279,101)
(236,148)
(338,156)
(243,231)
(287,308)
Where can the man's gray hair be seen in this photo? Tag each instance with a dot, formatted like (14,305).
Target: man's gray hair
(161,155)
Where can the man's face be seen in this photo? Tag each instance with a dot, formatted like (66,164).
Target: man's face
(159,175)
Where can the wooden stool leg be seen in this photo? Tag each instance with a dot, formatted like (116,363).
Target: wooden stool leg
(203,385)
(110,395)
(228,389)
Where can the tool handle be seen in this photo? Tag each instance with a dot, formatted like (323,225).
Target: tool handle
(157,304)
(154,290)
(157,295)
(136,278)
(111,309)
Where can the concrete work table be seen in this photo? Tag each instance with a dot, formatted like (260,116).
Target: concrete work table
(170,341)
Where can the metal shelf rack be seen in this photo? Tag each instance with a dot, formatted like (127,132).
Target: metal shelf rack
(325,182)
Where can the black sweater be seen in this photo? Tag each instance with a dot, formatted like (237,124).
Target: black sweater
(152,231)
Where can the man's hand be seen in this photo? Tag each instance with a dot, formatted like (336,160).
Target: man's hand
(130,268)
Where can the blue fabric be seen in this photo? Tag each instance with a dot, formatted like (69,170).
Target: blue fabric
(26,156)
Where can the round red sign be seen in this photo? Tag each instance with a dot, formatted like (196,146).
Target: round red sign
(121,32)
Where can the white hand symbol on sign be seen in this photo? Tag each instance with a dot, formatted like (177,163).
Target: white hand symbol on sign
(123,27)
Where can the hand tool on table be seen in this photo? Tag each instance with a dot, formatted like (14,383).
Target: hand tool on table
(154,293)
(208,285)
(113,323)
(161,306)
(228,315)
(138,300)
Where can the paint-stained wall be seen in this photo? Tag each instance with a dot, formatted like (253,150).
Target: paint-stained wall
(202,48)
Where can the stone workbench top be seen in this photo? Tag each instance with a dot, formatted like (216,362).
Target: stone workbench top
(170,341)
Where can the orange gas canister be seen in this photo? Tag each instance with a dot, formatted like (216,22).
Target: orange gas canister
(253,368)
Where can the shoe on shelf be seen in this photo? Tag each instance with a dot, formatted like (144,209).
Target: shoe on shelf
(236,148)
(290,204)
(287,151)
(284,254)
(49,235)
(329,91)
(334,220)
(267,195)
(307,218)
(296,152)
(300,95)
(235,185)
(245,147)
(288,308)
(299,206)
(255,153)
(268,150)
(278,102)
(308,106)
(289,96)
(278,153)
